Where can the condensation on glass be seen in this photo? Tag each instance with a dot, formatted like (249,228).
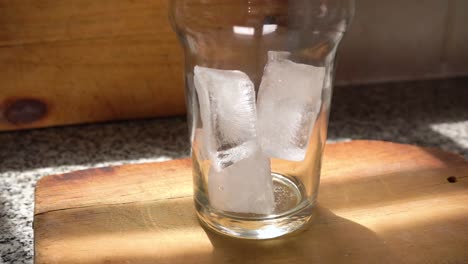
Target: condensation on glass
(259,77)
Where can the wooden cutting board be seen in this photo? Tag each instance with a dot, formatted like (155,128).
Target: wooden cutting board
(379,203)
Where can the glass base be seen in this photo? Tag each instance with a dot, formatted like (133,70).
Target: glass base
(291,212)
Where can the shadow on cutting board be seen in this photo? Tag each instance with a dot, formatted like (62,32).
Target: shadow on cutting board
(168,232)
(328,239)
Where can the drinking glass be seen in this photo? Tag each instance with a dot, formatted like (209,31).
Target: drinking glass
(259,78)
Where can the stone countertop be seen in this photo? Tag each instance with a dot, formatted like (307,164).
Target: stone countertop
(426,113)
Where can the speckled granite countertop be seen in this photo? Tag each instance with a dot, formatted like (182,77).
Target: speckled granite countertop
(427,113)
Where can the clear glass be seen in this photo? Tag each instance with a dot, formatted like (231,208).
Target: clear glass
(259,77)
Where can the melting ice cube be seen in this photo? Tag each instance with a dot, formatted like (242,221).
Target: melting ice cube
(289,101)
(240,178)
(245,187)
(228,113)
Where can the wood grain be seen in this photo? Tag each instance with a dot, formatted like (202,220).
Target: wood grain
(85,61)
(79,61)
(379,203)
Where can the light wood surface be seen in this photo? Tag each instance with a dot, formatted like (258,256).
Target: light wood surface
(379,203)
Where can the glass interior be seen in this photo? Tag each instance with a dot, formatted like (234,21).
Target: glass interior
(252,37)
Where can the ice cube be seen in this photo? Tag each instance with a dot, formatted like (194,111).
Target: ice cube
(228,113)
(278,55)
(240,178)
(244,187)
(289,101)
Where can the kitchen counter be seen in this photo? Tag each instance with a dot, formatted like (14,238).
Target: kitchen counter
(426,113)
